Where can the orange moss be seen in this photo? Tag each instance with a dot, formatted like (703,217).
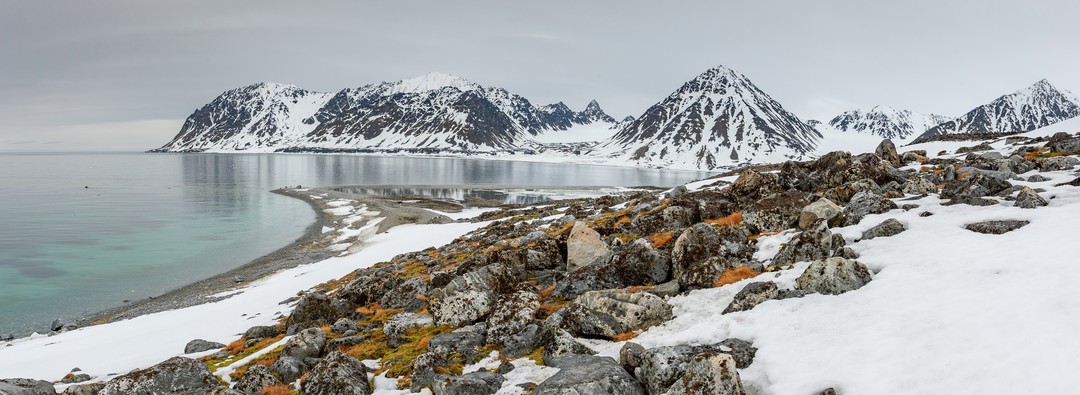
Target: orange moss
(939,171)
(236,346)
(962,176)
(659,240)
(549,308)
(625,336)
(731,220)
(731,276)
(924,168)
(276,390)
(546,292)
(623,220)
(638,288)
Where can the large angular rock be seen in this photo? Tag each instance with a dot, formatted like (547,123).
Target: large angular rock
(367,288)
(919,186)
(200,345)
(863,204)
(26,387)
(752,295)
(709,373)
(817,242)
(1027,198)
(316,310)
(887,151)
(288,368)
(611,312)
(585,248)
(833,276)
(821,209)
(77,389)
(581,375)
(255,379)
(337,374)
(464,342)
(177,375)
(559,344)
(261,332)
(511,325)
(889,227)
(775,212)
(470,297)
(396,326)
(1058,163)
(475,383)
(306,344)
(698,258)
(996,227)
(405,296)
(1064,142)
(634,263)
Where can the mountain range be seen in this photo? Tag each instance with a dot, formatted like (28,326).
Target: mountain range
(717,119)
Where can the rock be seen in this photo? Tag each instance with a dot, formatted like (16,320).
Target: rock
(59,325)
(919,186)
(338,374)
(1027,198)
(77,389)
(255,379)
(464,343)
(833,276)
(752,295)
(75,377)
(971,201)
(580,375)
(584,248)
(914,156)
(200,345)
(611,312)
(889,227)
(887,151)
(475,383)
(396,326)
(634,263)
(697,258)
(678,217)
(741,351)
(775,212)
(288,368)
(630,356)
(344,325)
(261,332)
(368,288)
(676,192)
(561,344)
(26,387)
(306,344)
(405,295)
(821,209)
(344,341)
(817,242)
(863,204)
(710,373)
(315,310)
(471,296)
(1064,142)
(1055,163)
(505,367)
(996,227)
(509,325)
(1037,178)
(177,375)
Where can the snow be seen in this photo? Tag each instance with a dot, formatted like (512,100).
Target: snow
(597,131)
(119,347)
(431,82)
(1070,126)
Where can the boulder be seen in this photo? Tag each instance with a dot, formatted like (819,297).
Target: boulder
(678,217)
(200,345)
(464,343)
(316,310)
(741,351)
(26,387)
(634,263)
(337,374)
(1056,163)
(833,276)
(589,375)
(752,295)
(775,212)
(397,325)
(261,332)
(177,375)
(585,248)
(345,325)
(817,242)
(405,295)
(889,227)
(863,204)
(709,373)
(630,356)
(611,312)
(560,344)
(308,343)
(475,383)
(511,325)
(1027,198)
(471,296)
(1064,142)
(697,257)
(368,288)
(78,389)
(919,186)
(887,151)
(996,227)
(821,209)
(255,379)
(288,368)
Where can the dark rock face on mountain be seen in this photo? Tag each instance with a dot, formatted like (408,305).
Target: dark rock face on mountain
(719,118)
(432,113)
(886,122)
(1027,109)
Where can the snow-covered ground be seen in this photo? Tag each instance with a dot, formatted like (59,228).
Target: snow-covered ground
(597,131)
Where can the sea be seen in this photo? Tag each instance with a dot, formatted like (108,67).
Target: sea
(85,232)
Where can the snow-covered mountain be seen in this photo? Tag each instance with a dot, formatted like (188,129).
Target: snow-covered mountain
(432,113)
(718,118)
(1028,109)
(886,122)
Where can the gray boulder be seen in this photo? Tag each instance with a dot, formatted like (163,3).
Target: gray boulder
(709,373)
(471,296)
(1058,163)
(475,383)
(581,375)
(817,242)
(1027,198)
(608,313)
(261,332)
(1064,142)
(585,248)
(344,325)
(255,379)
(26,387)
(177,375)
(863,204)
(919,186)
(887,151)
(315,310)
(821,209)
(308,343)
(752,295)
(559,344)
(996,227)
(511,325)
(80,389)
(396,326)
(833,276)
(289,368)
(775,212)
(889,227)
(741,351)
(404,295)
(464,343)
(200,345)
(698,258)
(630,356)
(338,374)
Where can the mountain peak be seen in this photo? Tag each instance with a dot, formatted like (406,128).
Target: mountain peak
(433,81)
(1027,109)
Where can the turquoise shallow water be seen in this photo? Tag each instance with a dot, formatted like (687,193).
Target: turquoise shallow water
(84,232)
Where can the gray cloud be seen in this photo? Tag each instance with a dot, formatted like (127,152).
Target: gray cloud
(70,65)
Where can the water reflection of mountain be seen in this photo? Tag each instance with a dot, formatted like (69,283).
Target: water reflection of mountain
(456,194)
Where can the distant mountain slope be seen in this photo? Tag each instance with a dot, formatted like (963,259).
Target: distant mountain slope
(1028,109)
(718,118)
(886,122)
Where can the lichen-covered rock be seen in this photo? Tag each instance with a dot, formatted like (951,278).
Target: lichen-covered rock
(889,227)
(817,242)
(200,345)
(288,368)
(697,258)
(709,373)
(464,343)
(1055,163)
(630,356)
(833,276)
(26,387)
(307,343)
(401,322)
(344,325)
(316,310)
(752,295)
(475,383)
(580,375)
(996,227)
(255,379)
(741,351)
(585,248)
(177,375)
(337,374)
(611,312)
(1027,198)
(405,296)
(77,389)
(863,204)
(509,325)
(775,212)
(919,186)
(634,263)
(887,151)
(471,296)
(559,344)
(367,288)
(821,209)
(260,332)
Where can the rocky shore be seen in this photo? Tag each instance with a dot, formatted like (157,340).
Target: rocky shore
(535,301)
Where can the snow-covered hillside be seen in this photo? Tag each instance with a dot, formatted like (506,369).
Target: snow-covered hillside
(1027,109)
(719,118)
(886,122)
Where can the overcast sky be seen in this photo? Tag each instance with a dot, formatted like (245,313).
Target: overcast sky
(124,74)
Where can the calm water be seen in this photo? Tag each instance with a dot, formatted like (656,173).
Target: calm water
(83,232)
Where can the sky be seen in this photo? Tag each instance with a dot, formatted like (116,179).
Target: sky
(123,75)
